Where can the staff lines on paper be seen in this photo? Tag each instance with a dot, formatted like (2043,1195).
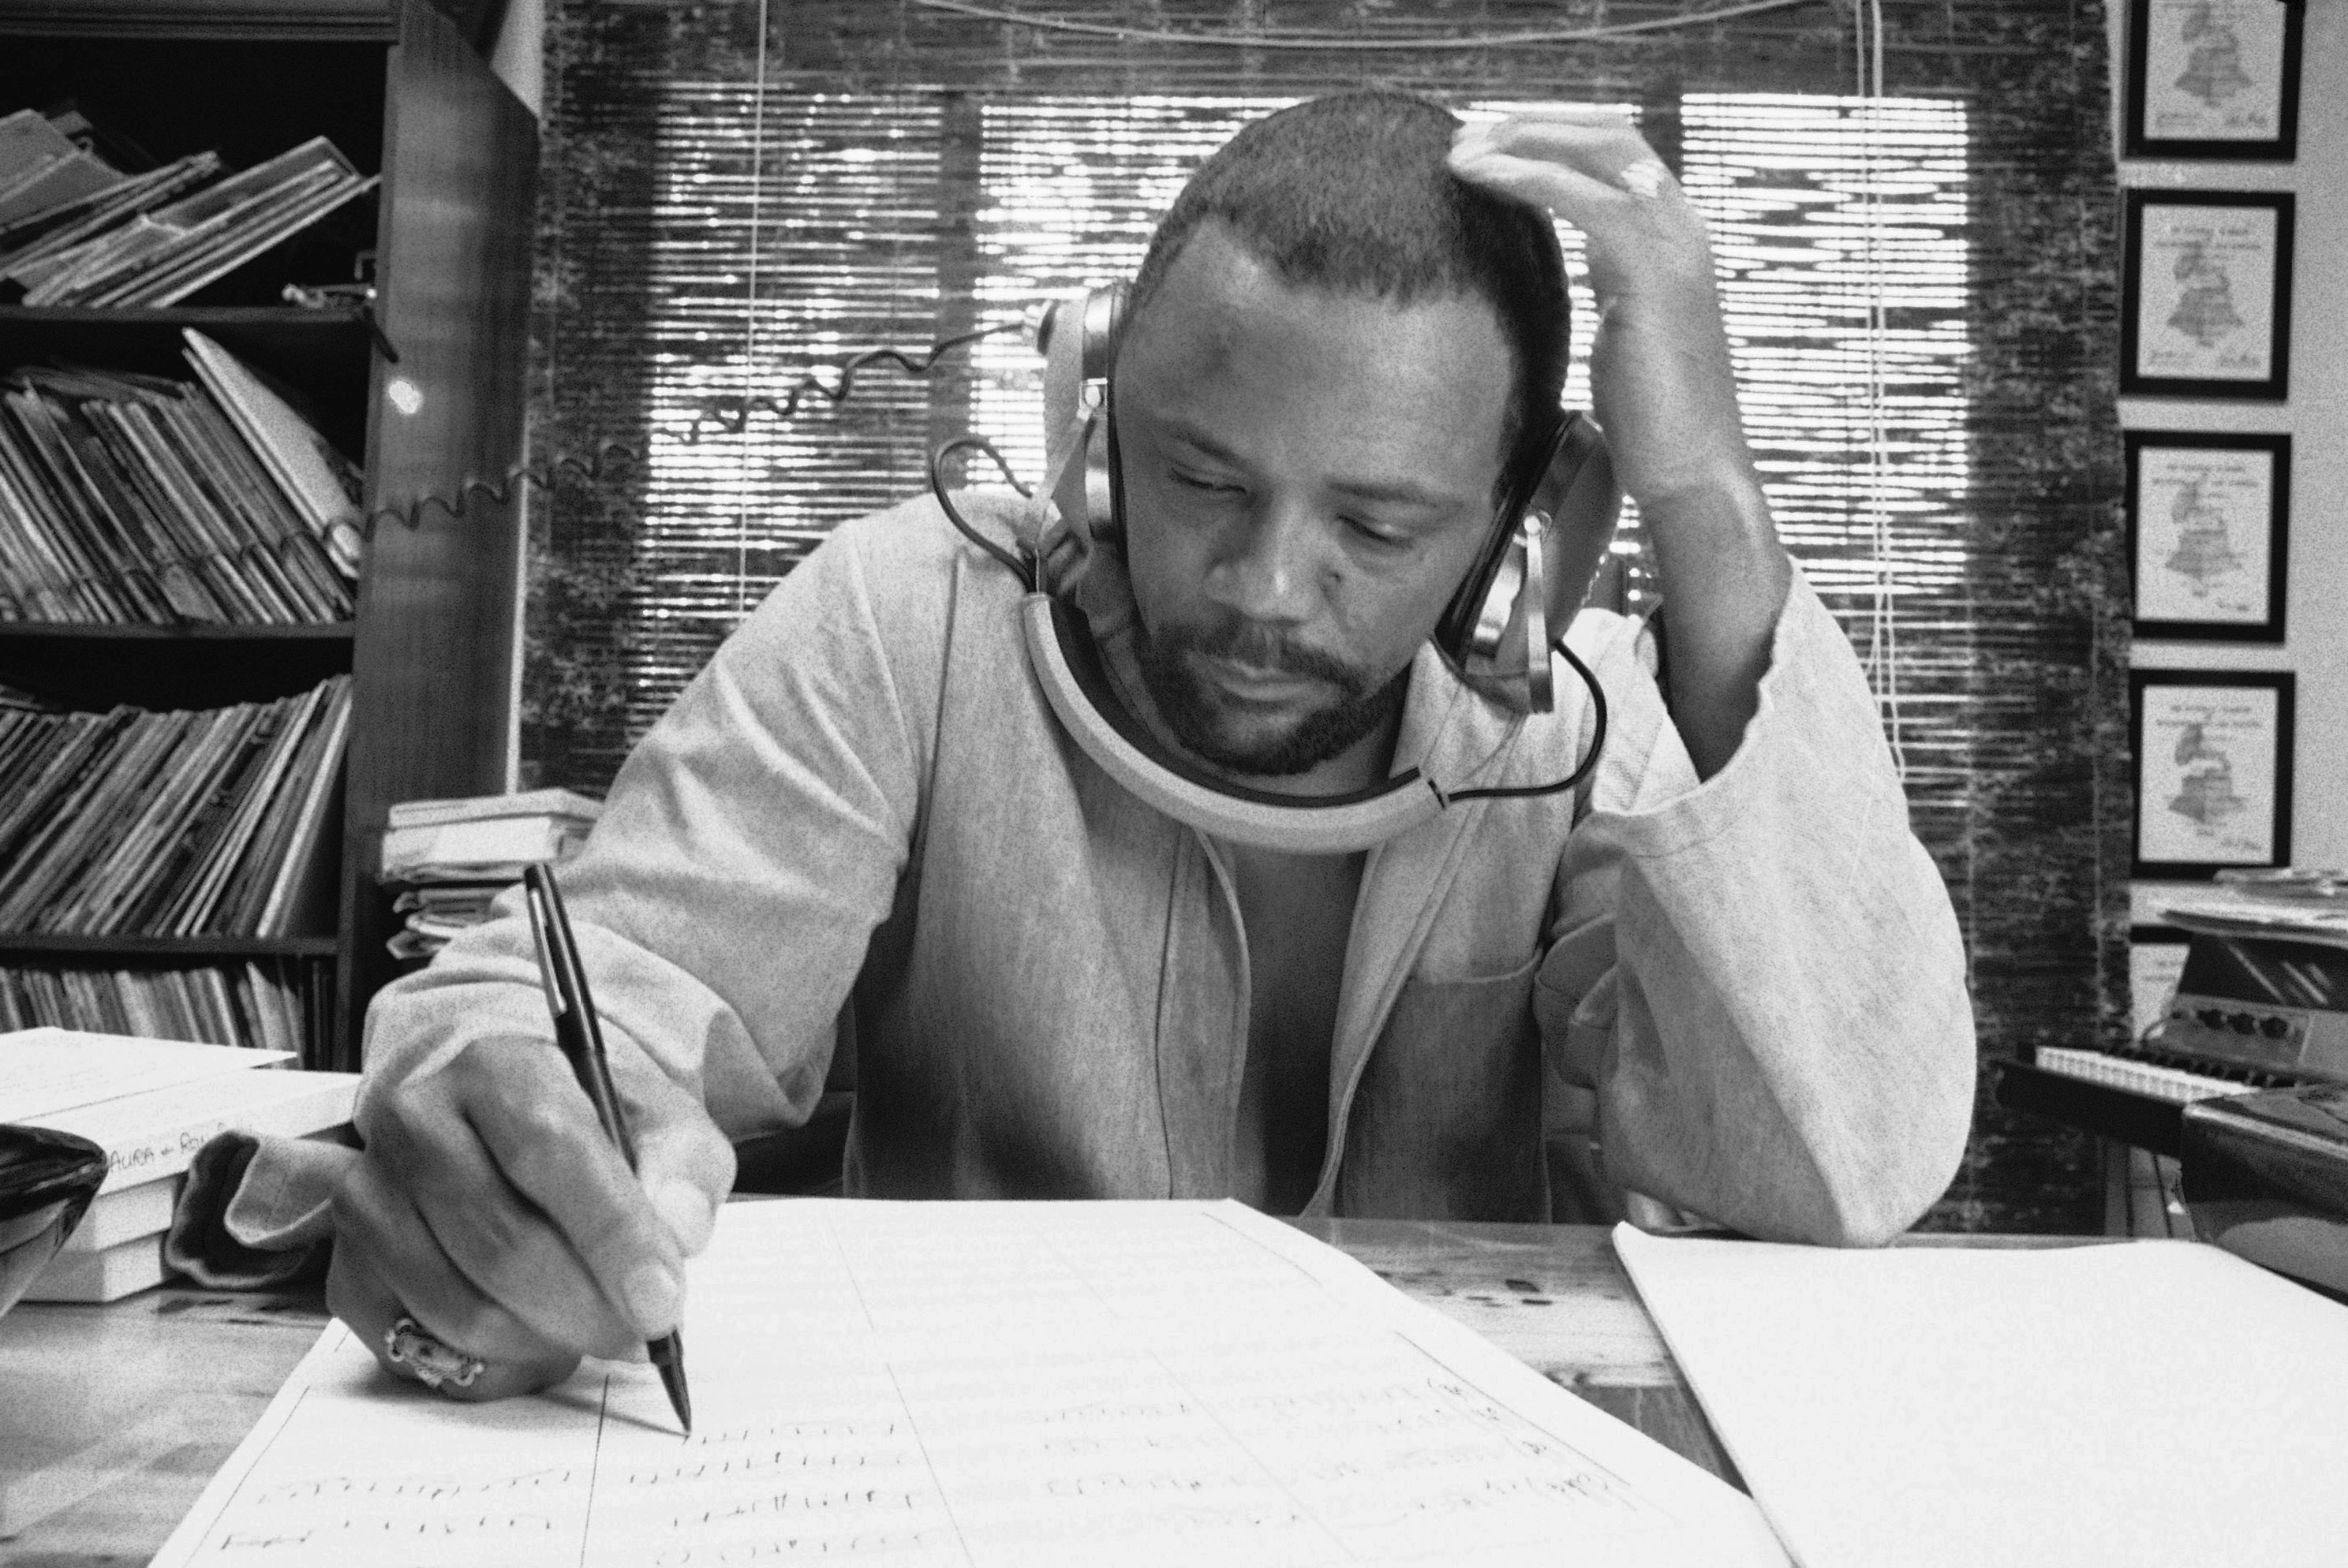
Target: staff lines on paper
(1111,1385)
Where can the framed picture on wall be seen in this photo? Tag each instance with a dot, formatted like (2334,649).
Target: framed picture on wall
(2213,756)
(2214,79)
(2208,519)
(2205,304)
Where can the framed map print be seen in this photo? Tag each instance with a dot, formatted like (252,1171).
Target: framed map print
(2214,79)
(2207,523)
(2205,309)
(2213,752)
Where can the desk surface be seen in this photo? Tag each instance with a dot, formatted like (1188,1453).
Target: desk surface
(113,1418)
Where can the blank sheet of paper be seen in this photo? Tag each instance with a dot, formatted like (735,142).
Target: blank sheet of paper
(998,1384)
(2147,1404)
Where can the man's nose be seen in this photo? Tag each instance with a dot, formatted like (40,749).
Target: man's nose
(1269,570)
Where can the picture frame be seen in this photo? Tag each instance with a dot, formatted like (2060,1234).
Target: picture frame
(2213,80)
(2213,770)
(2205,298)
(2208,534)
(2156,959)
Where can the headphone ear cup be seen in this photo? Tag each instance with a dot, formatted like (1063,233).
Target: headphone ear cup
(1524,589)
(1104,490)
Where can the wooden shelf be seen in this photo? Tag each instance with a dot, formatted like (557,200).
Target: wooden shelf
(24,944)
(80,631)
(403,91)
(96,667)
(339,20)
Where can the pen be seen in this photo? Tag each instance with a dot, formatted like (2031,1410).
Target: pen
(581,1037)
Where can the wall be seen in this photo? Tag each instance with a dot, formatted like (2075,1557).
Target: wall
(2315,416)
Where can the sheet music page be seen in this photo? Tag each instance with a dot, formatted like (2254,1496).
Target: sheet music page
(2156,1404)
(998,1384)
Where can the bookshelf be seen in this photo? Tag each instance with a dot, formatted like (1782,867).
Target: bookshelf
(424,393)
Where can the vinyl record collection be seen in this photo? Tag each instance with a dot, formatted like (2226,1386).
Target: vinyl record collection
(77,230)
(269,1004)
(209,822)
(131,498)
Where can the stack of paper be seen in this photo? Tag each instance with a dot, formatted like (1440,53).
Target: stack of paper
(2153,1404)
(128,497)
(205,822)
(452,857)
(1027,1385)
(170,244)
(150,1105)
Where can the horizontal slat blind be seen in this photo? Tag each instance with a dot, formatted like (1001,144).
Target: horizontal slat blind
(1950,481)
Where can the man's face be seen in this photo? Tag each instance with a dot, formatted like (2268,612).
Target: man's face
(1307,477)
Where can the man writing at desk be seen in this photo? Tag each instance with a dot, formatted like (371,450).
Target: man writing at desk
(1724,962)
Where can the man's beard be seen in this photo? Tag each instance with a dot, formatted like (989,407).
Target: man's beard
(1194,712)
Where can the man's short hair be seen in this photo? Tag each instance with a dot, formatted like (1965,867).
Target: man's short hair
(1350,193)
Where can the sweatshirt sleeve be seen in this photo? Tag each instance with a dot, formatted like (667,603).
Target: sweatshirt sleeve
(1758,977)
(747,849)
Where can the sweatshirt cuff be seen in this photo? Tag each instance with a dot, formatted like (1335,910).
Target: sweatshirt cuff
(1816,738)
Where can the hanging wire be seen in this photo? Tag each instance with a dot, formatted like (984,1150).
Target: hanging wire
(1883,628)
(750,316)
(1325,41)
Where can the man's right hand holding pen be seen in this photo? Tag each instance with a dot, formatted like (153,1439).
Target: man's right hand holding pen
(489,1207)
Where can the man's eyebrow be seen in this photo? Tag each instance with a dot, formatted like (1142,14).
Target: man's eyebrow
(1399,491)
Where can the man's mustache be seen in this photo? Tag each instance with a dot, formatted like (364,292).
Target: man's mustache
(1244,642)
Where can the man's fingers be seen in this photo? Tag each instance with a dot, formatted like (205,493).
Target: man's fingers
(547,1142)
(1574,196)
(356,1293)
(683,1160)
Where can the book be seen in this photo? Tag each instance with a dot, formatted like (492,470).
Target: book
(320,481)
(109,1274)
(551,803)
(155,1134)
(493,848)
(125,1214)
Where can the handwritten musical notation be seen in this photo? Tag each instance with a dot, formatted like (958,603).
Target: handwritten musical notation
(984,1384)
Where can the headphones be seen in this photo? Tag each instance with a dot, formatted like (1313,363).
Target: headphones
(1548,537)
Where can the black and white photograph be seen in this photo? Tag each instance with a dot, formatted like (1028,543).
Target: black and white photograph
(1035,783)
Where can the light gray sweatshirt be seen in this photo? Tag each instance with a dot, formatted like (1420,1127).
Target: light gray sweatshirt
(1746,995)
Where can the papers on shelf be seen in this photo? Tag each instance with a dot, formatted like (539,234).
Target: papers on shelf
(2157,1404)
(1016,1384)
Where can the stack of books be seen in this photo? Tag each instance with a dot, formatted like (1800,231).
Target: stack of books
(75,231)
(131,498)
(209,822)
(150,1105)
(265,1004)
(451,857)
